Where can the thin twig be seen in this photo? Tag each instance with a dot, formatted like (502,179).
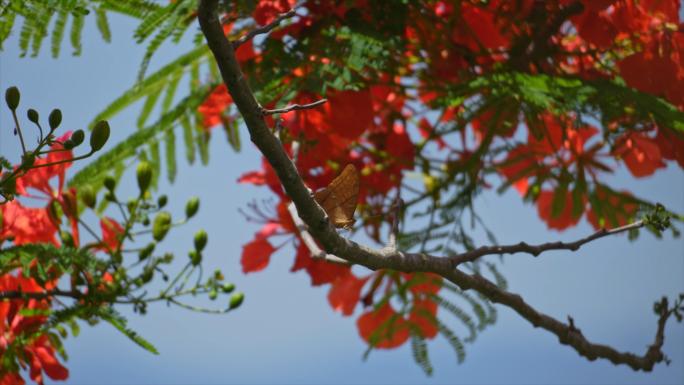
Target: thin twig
(308,240)
(294,107)
(268,27)
(535,250)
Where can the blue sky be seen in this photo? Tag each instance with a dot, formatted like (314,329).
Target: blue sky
(286,332)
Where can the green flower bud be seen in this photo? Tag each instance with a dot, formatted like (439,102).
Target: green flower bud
(161,225)
(77,137)
(201,239)
(144,175)
(12,97)
(32,115)
(55,118)
(99,136)
(195,257)
(191,207)
(236,300)
(69,144)
(147,275)
(213,294)
(162,200)
(88,196)
(147,251)
(227,287)
(110,183)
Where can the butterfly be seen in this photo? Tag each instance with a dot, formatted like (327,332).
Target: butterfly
(339,198)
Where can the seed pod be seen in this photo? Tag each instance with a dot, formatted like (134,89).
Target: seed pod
(110,183)
(162,200)
(191,207)
(147,251)
(228,287)
(32,115)
(77,137)
(200,240)
(195,257)
(144,176)
(12,97)
(99,136)
(88,196)
(55,118)
(161,225)
(236,300)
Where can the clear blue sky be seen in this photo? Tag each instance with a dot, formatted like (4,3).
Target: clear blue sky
(286,332)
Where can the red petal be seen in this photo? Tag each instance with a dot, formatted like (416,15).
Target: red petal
(393,335)
(345,292)
(256,255)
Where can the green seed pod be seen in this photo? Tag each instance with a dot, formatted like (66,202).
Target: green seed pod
(12,97)
(191,207)
(147,251)
(195,257)
(144,175)
(162,200)
(228,287)
(201,239)
(161,225)
(77,137)
(236,300)
(88,196)
(147,275)
(213,294)
(110,183)
(32,115)
(99,136)
(55,118)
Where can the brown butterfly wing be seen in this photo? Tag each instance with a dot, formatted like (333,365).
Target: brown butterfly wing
(340,197)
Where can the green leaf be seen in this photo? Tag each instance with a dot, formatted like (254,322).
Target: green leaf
(188,138)
(77,23)
(119,324)
(152,83)
(103,24)
(94,173)
(58,32)
(170,155)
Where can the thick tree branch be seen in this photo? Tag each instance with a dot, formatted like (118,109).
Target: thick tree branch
(323,231)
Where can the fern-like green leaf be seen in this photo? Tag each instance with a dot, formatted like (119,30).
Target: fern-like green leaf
(151,84)
(120,324)
(188,138)
(149,104)
(94,173)
(58,32)
(170,155)
(77,23)
(420,353)
(454,341)
(458,313)
(103,24)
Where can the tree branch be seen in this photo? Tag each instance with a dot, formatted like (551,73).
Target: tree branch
(322,230)
(294,107)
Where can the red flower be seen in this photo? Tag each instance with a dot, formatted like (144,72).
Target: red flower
(383,327)
(112,232)
(565,217)
(256,255)
(345,292)
(640,153)
(212,108)
(424,315)
(27,225)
